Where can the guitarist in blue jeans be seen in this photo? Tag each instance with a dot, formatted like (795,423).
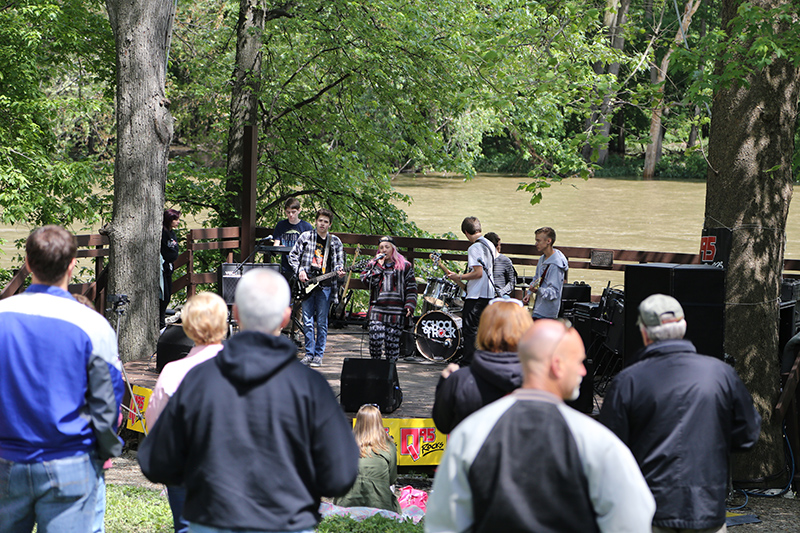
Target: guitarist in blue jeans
(317,254)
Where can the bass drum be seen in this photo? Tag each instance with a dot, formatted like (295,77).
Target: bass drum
(438,335)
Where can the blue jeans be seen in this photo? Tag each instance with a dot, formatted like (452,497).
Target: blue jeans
(58,495)
(199,528)
(176,494)
(100,505)
(315,310)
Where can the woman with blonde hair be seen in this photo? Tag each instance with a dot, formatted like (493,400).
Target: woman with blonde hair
(495,369)
(205,321)
(377,467)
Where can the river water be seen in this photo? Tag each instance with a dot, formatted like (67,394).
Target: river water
(664,216)
(629,214)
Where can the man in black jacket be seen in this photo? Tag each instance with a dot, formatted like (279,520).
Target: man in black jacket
(254,436)
(681,414)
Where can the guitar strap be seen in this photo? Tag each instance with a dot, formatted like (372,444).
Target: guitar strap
(325,255)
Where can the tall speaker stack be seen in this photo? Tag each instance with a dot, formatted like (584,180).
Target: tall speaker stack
(700,289)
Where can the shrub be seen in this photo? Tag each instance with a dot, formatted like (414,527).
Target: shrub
(373,524)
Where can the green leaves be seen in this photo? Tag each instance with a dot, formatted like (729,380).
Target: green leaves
(48,55)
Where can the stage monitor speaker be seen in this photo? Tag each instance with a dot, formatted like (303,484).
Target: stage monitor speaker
(370,381)
(173,344)
(700,289)
(229,274)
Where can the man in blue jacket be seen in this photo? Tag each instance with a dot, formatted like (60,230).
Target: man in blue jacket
(60,391)
(254,436)
(681,414)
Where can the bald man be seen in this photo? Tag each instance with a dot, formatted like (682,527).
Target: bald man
(528,462)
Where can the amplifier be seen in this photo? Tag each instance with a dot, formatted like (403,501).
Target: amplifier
(573,293)
(229,274)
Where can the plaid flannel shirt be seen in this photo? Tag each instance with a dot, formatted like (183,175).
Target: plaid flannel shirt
(303,252)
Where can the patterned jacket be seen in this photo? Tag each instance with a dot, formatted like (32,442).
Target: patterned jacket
(391,291)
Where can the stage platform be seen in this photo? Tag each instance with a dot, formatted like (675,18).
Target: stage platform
(417,379)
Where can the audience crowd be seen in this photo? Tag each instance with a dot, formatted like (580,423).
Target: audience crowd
(247,437)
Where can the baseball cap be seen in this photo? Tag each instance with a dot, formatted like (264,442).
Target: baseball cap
(659,309)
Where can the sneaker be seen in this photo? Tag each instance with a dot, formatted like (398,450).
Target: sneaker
(316,362)
(306,360)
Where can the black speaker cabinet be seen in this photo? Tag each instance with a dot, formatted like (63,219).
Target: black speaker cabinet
(585,402)
(700,289)
(173,344)
(370,381)
(229,274)
(573,293)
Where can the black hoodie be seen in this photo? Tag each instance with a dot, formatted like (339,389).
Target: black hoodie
(256,438)
(491,375)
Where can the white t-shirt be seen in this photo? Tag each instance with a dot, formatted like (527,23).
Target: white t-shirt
(480,255)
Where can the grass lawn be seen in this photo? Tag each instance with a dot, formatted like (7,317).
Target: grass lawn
(132,509)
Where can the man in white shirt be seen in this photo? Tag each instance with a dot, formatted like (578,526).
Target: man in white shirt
(480,284)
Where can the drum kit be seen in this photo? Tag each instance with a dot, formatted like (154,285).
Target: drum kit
(438,330)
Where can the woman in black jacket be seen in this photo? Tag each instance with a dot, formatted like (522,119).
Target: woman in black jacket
(495,369)
(169,253)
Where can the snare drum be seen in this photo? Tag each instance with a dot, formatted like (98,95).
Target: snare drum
(438,335)
(439,292)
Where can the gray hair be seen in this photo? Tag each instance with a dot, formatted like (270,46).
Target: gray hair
(665,332)
(262,297)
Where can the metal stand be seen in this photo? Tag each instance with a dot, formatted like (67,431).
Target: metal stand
(118,302)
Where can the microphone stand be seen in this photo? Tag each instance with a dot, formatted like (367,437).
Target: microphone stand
(252,254)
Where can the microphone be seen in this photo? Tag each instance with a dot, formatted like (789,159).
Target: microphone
(379,257)
(268,238)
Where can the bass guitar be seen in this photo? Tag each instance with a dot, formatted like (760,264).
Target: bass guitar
(303,290)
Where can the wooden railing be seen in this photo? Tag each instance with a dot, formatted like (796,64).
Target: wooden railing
(227,241)
(94,245)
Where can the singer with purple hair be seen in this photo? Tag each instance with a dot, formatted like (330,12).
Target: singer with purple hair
(393,298)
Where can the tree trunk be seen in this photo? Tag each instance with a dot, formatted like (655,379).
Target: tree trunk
(599,120)
(693,132)
(748,191)
(653,151)
(142,32)
(244,99)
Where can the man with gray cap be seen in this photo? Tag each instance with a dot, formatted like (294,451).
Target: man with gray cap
(681,414)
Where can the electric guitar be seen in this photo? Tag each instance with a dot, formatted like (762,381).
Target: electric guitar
(304,290)
(436,257)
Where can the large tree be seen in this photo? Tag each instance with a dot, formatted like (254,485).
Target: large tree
(749,189)
(142,32)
